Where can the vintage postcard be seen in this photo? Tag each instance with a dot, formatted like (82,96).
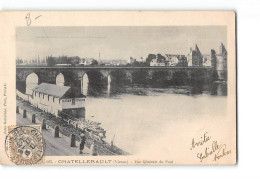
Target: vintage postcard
(118,88)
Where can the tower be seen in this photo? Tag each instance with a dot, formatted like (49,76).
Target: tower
(195,57)
(219,62)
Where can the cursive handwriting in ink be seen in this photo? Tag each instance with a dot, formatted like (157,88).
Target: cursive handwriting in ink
(28,19)
(216,150)
(37,17)
(209,151)
(203,140)
(221,153)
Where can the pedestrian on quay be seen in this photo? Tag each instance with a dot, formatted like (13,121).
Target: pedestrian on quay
(93,149)
(101,136)
(82,142)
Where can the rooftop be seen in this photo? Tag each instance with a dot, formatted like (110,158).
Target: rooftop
(52,89)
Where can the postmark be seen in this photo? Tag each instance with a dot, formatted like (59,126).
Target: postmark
(24,145)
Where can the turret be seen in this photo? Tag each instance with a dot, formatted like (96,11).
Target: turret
(222,50)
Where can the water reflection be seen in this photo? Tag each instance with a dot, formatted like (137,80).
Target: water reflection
(108,85)
(215,89)
(85,82)
(219,88)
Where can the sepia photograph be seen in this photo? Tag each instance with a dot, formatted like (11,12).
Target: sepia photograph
(113,90)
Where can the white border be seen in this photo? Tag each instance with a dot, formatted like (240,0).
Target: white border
(248,16)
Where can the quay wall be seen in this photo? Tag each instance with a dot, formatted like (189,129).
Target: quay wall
(65,130)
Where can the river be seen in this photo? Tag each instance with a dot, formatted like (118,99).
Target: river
(138,116)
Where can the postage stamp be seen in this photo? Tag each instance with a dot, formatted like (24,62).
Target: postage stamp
(24,145)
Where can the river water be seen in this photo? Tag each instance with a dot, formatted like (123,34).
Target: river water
(138,116)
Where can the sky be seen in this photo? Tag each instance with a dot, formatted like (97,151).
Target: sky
(116,42)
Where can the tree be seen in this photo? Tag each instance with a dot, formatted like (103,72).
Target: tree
(94,62)
(50,61)
(150,58)
(161,59)
(75,60)
(138,64)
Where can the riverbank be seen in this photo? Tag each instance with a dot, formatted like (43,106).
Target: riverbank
(65,129)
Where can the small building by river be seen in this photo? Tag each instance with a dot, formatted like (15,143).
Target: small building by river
(58,100)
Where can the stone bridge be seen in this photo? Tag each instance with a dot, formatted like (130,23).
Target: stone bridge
(82,79)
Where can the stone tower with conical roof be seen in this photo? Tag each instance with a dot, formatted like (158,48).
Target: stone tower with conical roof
(219,62)
(195,57)
(222,50)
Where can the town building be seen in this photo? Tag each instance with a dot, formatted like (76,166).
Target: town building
(114,62)
(158,60)
(155,62)
(58,100)
(118,62)
(86,61)
(207,60)
(169,60)
(195,57)
(132,60)
(176,60)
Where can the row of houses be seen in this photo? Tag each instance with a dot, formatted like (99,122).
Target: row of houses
(170,60)
(114,62)
(194,58)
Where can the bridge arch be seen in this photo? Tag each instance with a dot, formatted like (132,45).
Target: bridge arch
(84,84)
(60,79)
(32,81)
(109,79)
